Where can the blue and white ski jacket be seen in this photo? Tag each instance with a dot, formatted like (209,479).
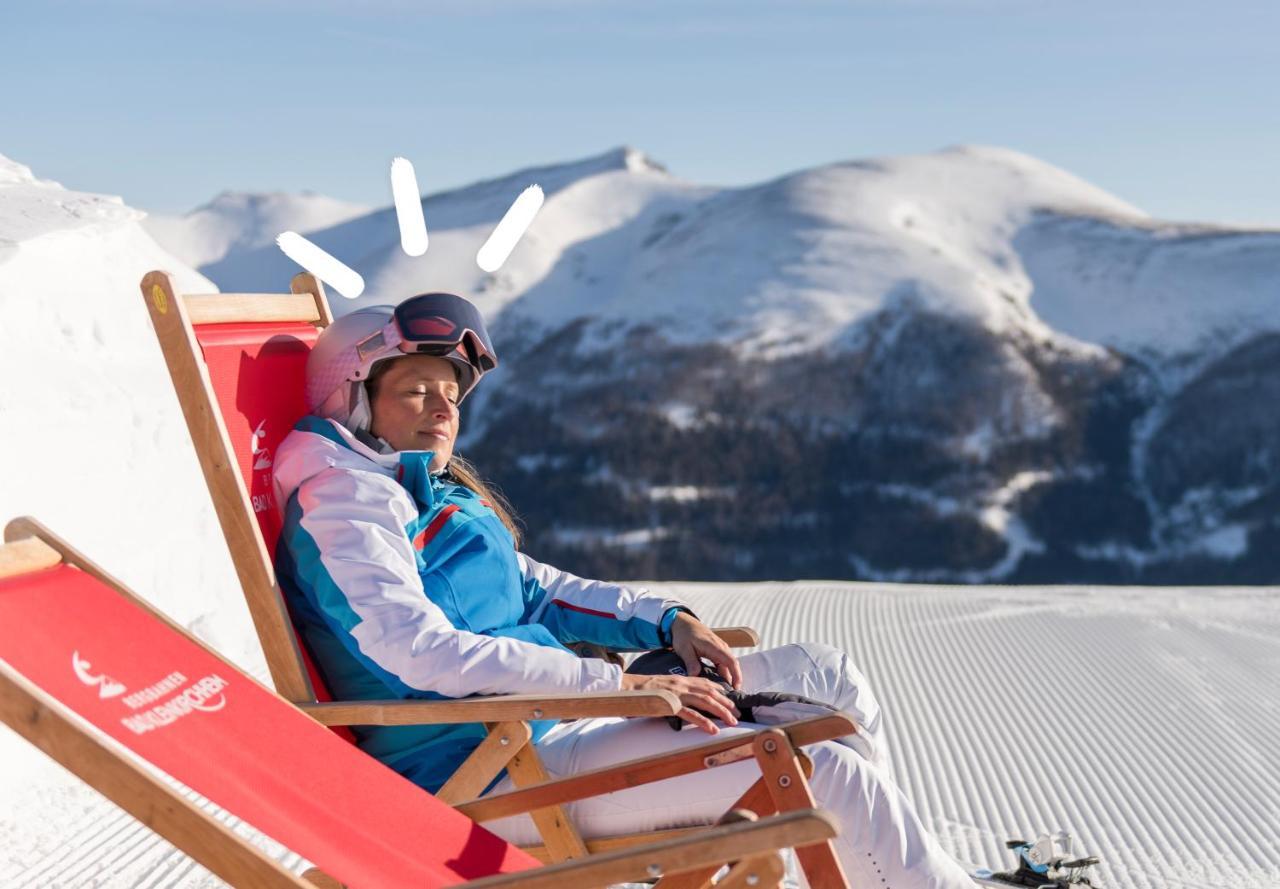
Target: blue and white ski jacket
(404,585)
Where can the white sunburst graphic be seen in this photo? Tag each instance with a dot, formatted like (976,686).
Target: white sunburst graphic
(413,234)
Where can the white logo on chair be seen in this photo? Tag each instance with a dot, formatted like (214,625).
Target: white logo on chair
(171,698)
(262,456)
(163,702)
(107,687)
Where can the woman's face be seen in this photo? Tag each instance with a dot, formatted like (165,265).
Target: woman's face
(415,407)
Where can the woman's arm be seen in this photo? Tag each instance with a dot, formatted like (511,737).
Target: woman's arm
(623,618)
(354,562)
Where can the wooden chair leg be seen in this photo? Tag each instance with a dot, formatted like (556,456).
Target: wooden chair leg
(757,799)
(561,838)
(785,780)
(690,879)
(504,741)
(757,872)
(321,880)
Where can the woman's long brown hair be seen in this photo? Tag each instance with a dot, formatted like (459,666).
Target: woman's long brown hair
(466,475)
(462,470)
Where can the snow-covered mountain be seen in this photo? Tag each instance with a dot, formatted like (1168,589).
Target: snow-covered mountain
(966,365)
(236,221)
(91,438)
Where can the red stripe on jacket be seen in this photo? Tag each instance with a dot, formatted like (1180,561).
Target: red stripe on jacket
(591,611)
(424,537)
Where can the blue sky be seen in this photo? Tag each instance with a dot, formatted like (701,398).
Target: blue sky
(1170,105)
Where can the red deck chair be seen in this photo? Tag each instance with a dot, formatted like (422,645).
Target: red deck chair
(88,671)
(238,363)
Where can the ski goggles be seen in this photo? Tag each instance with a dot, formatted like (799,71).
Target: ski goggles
(439,324)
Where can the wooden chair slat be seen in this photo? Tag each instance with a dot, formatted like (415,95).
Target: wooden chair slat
(25,556)
(497,708)
(228,308)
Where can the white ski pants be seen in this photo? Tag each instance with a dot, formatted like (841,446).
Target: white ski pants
(882,843)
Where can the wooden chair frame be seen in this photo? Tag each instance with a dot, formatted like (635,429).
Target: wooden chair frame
(748,845)
(507,745)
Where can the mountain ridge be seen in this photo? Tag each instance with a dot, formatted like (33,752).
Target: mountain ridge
(1000,371)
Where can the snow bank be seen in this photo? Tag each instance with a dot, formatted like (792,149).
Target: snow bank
(93,444)
(92,441)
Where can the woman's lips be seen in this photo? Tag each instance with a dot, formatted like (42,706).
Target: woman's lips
(433,433)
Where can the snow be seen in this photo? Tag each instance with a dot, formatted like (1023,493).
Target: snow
(632,539)
(682,416)
(1141,720)
(237,221)
(687,493)
(532,463)
(1152,289)
(1225,542)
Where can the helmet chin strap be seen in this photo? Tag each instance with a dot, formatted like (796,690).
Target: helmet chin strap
(359,420)
(359,412)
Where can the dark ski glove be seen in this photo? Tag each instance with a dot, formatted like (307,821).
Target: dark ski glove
(763,707)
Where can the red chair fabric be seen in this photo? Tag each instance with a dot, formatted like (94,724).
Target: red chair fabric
(211,727)
(258,371)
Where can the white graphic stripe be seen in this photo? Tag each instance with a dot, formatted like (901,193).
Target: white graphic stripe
(404,188)
(329,269)
(512,227)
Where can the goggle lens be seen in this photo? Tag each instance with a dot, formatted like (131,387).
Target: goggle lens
(438,323)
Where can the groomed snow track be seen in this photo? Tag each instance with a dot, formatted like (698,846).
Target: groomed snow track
(1144,721)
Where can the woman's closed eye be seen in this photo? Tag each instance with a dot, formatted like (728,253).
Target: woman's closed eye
(420,392)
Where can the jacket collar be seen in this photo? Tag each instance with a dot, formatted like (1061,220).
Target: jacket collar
(410,468)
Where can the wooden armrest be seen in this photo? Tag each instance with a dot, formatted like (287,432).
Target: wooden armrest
(726,749)
(497,708)
(738,637)
(715,845)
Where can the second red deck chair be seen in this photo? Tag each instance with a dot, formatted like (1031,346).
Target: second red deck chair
(88,671)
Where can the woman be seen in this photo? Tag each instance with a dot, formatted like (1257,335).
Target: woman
(405,578)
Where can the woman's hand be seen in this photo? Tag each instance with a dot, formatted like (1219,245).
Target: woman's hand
(693,640)
(694,692)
